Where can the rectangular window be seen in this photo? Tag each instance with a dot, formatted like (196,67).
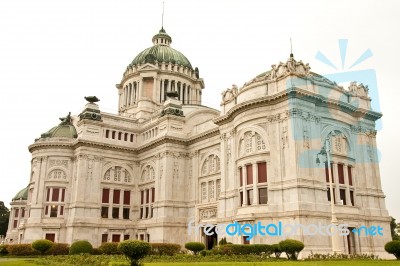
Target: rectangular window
(126,137)
(62,194)
(113,134)
(151,212)
(340,173)
(146,215)
(46,210)
(104,212)
(141,196)
(127,197)
(147,196)
(107,133)
(55,195)
(15,224)
(329,195)
(53,211)
(263,195)
(249,169)
(116,238)
(16,213)
(115,213)
(250,197)
(241,198)
(125,213)
(342,193)
(153,194)
(48,195)
(106,195)
(349,175)
(104,238)
(141,213)
(61,210)
(326,173)
(352,197)
(246,241)
(116,196)
(22,212)
(262,172)
(51,237)
(241,176)
(126,237)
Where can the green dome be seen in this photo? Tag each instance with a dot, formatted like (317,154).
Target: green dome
(64,130)
(23,194)
(61,131)
(161,52)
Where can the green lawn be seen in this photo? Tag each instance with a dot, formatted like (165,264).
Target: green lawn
(31,262)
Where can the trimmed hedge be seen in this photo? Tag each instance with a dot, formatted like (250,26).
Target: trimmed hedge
(164,249)
(291,247)
(109,248)
(3,250)
(393,247)
(58,249)
(196,247)
(81,246)
(237,249)
(22,250)
(42,245)
(134,250)
(276,249)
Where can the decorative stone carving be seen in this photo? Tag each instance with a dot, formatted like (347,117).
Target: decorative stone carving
(229,94)
(117,174)
(285,136)
(211,165)
(306,137)
(358,90)
(148,174)
(57,174)
(62,163)
(208,213)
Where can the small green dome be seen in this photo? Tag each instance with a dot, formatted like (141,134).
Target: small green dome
(22,194)
(61,131)
(162,52)
(64,130)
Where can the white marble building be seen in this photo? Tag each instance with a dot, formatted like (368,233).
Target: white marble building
(163,161)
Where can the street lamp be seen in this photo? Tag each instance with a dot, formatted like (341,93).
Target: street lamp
(325,151)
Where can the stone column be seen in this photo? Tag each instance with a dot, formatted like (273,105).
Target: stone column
(255,182)
(244,175)
(140,93)
(132,94)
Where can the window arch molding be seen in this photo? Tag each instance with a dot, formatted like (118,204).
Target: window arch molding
(56,174)
(338,131)
(108,166)
(216,155)
(147,173)
(254,131)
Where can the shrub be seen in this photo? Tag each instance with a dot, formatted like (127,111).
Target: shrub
(235,249)
(21,250)
(58,249)
(134,250)
(42,245)
(109,248)
(3,250)
(81,246)
(222,241)
(393,247)
(276,249)
(195,247)
(291,247)
(165,249)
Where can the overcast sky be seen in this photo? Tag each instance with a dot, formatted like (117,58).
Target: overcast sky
(53,53)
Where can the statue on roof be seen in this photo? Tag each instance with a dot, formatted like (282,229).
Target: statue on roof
(92,99)
(66,120)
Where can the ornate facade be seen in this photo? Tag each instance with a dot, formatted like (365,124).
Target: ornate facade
(165,160)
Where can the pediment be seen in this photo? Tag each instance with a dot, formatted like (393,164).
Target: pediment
(147,67)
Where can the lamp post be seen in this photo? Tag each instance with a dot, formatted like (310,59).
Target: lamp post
(325,150)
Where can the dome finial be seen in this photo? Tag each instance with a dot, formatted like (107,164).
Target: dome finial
(162,17)
(291,52)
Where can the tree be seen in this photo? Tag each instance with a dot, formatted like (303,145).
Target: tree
(4,216)
(393,226)
(135,250)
